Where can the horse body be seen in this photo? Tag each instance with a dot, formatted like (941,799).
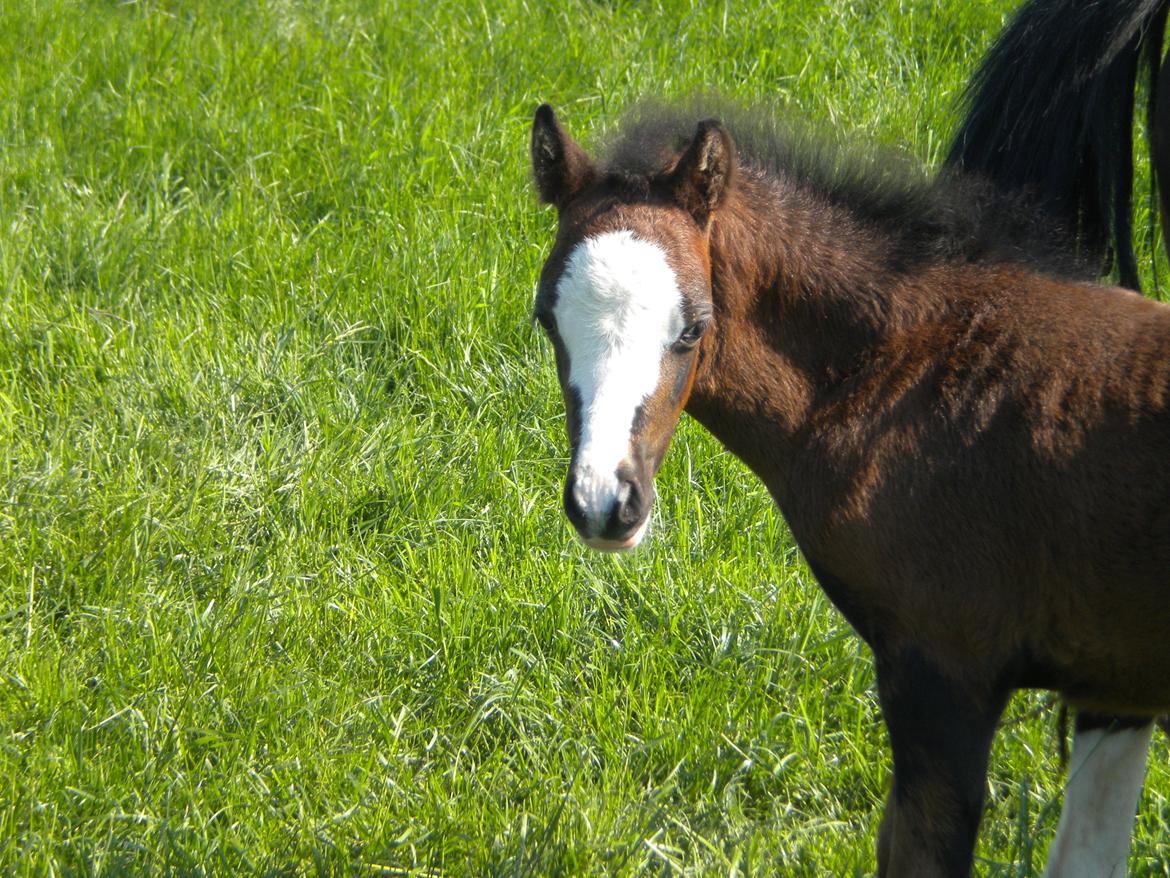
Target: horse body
(967,441)
(973,453)
(1050,111)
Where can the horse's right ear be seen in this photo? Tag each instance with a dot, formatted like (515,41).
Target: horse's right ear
(559,165)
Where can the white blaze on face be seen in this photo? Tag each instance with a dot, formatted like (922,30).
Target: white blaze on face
(618,309)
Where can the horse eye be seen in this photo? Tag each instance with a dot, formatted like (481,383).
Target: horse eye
(692,334)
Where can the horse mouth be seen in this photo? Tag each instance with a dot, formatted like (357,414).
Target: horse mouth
(624,544)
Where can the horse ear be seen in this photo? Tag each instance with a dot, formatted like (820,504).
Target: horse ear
(704,170)
(559,165)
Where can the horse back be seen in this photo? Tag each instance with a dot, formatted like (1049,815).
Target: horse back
(995,482)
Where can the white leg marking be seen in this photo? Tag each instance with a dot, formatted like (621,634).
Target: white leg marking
(618,309)
(1100,799)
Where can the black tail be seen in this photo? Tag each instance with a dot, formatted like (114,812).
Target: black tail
(1050,111)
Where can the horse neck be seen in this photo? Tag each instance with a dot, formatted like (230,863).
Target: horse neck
(801,296)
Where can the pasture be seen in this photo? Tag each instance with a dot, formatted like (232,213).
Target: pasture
(285,587)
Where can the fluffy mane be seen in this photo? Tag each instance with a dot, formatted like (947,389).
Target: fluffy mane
(948,217)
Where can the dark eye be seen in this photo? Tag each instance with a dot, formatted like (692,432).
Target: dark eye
(691,335)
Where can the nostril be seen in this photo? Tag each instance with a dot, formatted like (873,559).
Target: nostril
(629,509)
(574,508)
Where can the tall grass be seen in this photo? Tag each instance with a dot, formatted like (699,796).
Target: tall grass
(284,585)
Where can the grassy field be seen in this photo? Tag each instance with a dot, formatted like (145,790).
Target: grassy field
(284,583)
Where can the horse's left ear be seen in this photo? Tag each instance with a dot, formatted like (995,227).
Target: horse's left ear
(704,171)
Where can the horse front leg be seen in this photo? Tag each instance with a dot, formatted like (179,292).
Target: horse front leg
(940,735)
(1100,797)
(886,834)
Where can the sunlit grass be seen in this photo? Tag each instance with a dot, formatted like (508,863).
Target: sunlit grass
(284,584)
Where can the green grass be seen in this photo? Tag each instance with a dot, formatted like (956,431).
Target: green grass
(284,583)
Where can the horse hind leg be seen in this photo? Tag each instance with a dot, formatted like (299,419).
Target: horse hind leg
(1100,797)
